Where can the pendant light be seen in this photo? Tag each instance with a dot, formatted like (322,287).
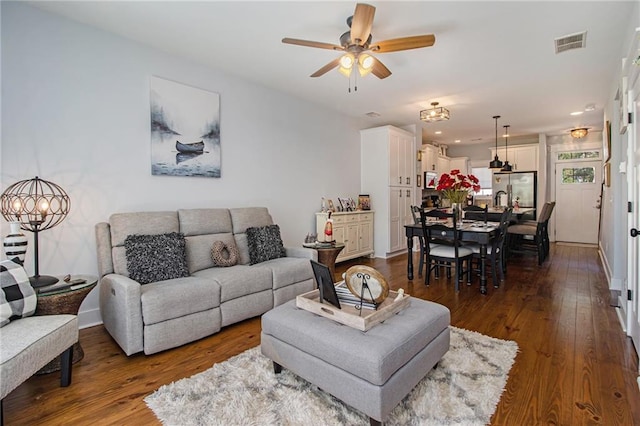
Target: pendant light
(496,164)
(506,167)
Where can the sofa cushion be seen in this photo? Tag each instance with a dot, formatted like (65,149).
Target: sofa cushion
(152,258)
(288,270)
(264,243)
(239,280)
(243,218)
(204,221)
(165,300)
(224,254)
(141,223)
(199,250)
(17,297)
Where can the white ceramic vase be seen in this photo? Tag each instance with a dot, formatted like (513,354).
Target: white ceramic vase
(15,243)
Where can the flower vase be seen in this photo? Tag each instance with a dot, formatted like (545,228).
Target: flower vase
(456,208)
(15,243)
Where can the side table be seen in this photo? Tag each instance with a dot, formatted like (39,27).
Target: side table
(64,301)
(327,256)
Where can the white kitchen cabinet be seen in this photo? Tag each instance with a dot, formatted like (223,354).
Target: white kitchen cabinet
(460,163)
(392,190)
(353,229)
(429,158)
(523,158)
(444,165)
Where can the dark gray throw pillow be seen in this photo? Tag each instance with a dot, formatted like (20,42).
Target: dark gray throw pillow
(152,258)
(264,244)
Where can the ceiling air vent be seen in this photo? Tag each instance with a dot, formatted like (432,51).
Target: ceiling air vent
(570,42)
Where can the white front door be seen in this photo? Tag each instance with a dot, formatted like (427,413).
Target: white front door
(577,208)
(633,218)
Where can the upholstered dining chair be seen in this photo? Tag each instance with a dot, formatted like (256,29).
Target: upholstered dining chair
(496,251)
(532,234)
(452,255)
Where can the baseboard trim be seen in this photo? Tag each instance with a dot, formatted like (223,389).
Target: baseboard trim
(623,321)
(89,318)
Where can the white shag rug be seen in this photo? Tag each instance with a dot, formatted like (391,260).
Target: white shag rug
(463,390)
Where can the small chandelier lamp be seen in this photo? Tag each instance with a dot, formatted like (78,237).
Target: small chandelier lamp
(37,205)
(506,167)
(434,114)
(579,132)
(496,164)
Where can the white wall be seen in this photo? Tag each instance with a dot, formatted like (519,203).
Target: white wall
(75,110)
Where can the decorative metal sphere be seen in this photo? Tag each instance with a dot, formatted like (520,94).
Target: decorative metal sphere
(36,203)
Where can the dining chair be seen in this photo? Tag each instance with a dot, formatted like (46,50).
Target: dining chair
(452,255)
(474,212)
(496,251)
(532,235)
(415,212)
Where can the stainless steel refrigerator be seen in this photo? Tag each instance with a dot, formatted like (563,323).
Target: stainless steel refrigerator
(520,186)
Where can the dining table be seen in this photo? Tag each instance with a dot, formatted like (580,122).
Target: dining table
(471,231)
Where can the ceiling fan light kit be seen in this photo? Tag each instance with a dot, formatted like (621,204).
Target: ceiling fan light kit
(496,164)
(357,41)
(434,114)
(579,132)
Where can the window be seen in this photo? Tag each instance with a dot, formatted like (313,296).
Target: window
(578,175)
(484,175)
(578,155)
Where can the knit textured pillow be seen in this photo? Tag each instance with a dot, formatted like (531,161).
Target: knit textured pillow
(264,244)
(152,258)
(224,254)
(17,298)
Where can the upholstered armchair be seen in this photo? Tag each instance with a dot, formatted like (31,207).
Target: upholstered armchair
(27,342)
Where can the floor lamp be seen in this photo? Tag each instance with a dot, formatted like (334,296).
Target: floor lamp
(37,205)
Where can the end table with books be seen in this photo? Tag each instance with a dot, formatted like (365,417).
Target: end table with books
(64,297)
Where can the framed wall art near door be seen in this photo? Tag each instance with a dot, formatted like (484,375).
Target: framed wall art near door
(185,130)
(606,141)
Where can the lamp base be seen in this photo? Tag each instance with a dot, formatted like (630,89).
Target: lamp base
(42,280)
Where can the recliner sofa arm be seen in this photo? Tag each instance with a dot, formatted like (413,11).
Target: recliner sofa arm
(122,311)
(302,252)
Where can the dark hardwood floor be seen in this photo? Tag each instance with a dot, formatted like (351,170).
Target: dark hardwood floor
(574,366)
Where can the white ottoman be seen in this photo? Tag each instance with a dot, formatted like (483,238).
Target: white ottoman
(371,371)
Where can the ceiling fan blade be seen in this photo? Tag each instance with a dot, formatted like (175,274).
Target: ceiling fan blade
(361,23)
(379,70)
(403,43)
(331,65)
(310,43)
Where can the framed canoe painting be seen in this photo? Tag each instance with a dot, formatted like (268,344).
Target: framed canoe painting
(185,130)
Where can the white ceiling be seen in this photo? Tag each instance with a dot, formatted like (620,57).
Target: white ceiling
(489,58)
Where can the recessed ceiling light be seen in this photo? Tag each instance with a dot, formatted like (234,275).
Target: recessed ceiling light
(456,141)
(576,112)
(439,132)
(590,107)
(372,114)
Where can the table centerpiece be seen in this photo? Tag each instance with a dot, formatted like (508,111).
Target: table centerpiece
(456,187)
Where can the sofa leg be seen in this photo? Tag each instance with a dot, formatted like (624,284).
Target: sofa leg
(1,412)
(65,367)
(374,422)
(277,368)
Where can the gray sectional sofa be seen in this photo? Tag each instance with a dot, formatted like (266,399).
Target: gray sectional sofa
(165,314)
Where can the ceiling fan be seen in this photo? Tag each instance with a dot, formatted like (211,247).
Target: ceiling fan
(357,42)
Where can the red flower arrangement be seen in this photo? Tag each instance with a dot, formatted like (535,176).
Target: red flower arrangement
(455,186)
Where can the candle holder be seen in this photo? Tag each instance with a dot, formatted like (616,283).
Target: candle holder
(37,205)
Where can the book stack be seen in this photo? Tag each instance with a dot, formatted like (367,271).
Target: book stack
(347,298)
